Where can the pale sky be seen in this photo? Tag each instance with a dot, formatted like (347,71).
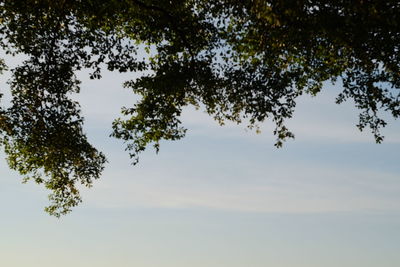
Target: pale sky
(221,197)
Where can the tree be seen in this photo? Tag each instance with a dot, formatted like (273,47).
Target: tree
(237,59)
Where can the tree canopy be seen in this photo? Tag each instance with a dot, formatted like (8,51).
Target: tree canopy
(237,59)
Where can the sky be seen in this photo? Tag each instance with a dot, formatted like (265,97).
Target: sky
(221,197)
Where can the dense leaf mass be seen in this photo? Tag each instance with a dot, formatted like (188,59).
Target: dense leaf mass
(247,59)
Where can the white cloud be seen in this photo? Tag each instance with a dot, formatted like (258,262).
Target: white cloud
(315,119)
(298,189)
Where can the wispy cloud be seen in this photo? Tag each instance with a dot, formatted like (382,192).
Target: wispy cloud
(315,119)
(297,189)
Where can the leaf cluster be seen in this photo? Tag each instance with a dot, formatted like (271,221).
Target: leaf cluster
(247,59)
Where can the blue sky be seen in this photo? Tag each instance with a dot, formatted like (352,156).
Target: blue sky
(223,196)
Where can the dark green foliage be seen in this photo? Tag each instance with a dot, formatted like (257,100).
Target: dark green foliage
(237,59)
